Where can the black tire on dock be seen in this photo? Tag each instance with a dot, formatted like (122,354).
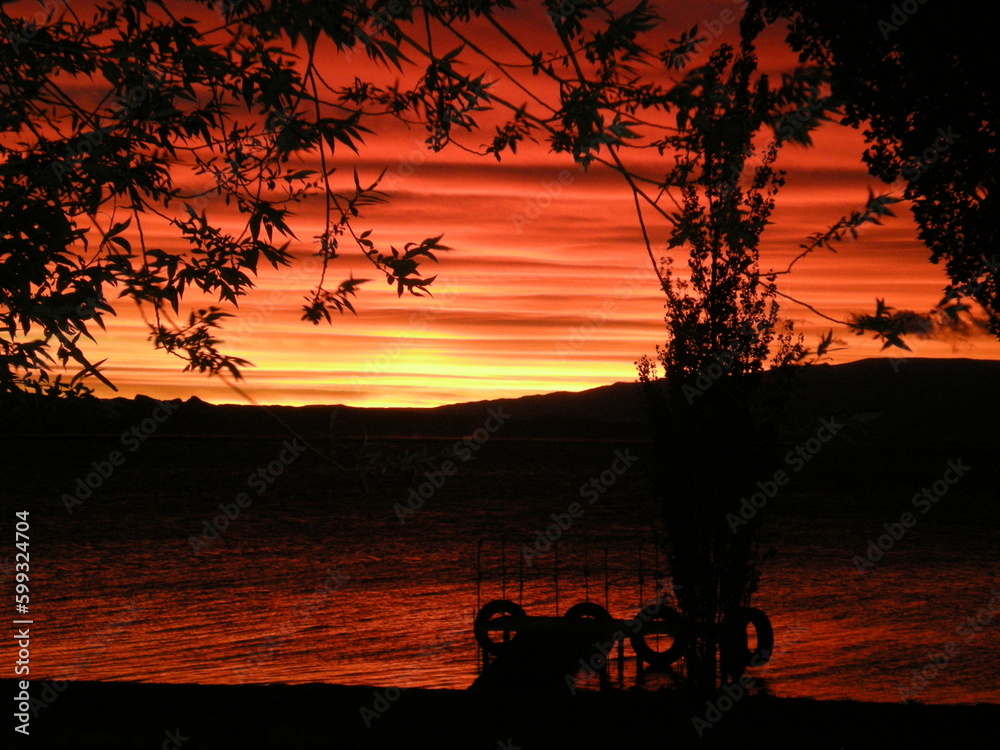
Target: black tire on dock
(735,638)
(674,625)
(481,627)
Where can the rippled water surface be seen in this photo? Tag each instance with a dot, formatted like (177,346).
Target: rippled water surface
(317,580)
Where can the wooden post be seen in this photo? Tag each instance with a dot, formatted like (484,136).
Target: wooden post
(520,580)
(555,572)
(621,662)
(503,567)
(607,585)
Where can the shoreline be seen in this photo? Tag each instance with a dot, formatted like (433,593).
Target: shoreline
(111,715)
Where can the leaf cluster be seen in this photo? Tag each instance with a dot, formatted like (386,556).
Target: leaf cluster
(110,111)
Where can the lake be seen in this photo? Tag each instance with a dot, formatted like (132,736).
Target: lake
(313,579)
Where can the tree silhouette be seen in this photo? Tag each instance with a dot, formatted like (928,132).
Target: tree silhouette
(110,112)
(715,419)
(919,79)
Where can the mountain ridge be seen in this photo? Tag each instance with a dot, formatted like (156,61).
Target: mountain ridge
(920,400)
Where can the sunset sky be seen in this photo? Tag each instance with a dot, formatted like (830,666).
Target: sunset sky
(547,287)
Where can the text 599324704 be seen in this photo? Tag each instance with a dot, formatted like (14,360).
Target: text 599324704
(22,625)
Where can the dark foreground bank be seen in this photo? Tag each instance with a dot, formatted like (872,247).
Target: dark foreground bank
(113,716)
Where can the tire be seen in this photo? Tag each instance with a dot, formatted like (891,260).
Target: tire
(490,610)
(765,636)
(735,653)
(676,626)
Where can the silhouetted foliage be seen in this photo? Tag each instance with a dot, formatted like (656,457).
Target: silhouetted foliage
(716,421)
(123,120)
(919,79)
